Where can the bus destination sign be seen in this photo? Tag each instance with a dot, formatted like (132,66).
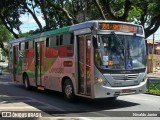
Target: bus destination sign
(120,27)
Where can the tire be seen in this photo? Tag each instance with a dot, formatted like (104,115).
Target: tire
(68,90)
(26,83)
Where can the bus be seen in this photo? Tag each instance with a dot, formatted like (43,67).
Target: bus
(93,59)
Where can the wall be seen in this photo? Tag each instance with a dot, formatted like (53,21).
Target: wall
(156,62)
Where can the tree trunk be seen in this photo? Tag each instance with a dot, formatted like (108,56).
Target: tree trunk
(3,48)
(5,23)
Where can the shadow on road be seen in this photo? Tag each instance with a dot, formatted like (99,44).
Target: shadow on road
(55,100)
(82,105)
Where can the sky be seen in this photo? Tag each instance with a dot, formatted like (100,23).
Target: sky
(156,35)
(30,24)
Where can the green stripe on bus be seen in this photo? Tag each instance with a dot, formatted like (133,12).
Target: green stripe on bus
(51,32)
(58,31)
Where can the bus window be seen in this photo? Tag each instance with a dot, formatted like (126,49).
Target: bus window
(21,46)
(72,38)
(53,42)
(26,45)
(61,39)
(57,40)
(31,44)
(67,39)
(47,42)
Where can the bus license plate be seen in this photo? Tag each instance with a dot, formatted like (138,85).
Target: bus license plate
(127,91)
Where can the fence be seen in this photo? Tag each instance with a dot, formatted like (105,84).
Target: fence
(153,86)
(155,66)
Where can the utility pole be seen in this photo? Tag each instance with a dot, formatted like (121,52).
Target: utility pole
(152,54)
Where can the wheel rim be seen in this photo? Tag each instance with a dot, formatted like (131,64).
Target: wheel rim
(68,91)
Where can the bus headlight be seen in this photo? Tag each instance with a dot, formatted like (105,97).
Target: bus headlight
(101,81)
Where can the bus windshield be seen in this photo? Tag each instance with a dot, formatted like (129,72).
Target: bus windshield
(123,52)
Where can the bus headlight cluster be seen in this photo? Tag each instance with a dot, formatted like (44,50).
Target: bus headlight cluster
(101,81)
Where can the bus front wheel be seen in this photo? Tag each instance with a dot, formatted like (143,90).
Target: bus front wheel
(68,90)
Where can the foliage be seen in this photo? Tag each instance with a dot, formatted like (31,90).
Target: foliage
(10,13)
(153,88)
(5,36)
(59,13)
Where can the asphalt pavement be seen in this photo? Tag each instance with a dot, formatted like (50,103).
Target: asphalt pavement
(15,100)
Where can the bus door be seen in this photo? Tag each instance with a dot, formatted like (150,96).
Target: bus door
(15,61)
(84,64)
(39,63)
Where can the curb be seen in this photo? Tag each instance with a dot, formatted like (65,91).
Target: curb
(152,94)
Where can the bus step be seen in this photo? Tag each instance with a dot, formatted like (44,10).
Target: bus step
(40,88)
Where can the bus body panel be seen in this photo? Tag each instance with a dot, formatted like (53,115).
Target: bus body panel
(102,91)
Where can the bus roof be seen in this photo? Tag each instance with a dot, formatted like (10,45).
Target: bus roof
(92,23)
(43,34)
(87,24)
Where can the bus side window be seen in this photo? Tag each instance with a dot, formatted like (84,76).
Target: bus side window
(47,42)
(52,41)
(26,45)
(61,39)
(19,46)
(31,44)
(68,39)
(57,40)
(72,38)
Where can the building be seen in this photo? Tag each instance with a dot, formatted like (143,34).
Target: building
(156,46)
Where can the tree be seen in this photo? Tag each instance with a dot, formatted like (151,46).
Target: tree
(5,36)
(143,12)
(9,15)
(59,13)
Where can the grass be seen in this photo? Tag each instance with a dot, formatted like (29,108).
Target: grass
(153,88)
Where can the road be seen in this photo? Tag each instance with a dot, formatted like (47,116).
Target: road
(52,103)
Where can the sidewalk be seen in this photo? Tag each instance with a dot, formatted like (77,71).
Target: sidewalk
(156,73)
(153,75)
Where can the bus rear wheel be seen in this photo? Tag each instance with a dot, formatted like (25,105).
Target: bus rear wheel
(26,82)
(68,90)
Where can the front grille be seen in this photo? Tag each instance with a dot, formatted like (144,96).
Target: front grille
(125,76)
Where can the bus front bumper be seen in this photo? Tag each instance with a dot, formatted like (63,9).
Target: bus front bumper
(105,91)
